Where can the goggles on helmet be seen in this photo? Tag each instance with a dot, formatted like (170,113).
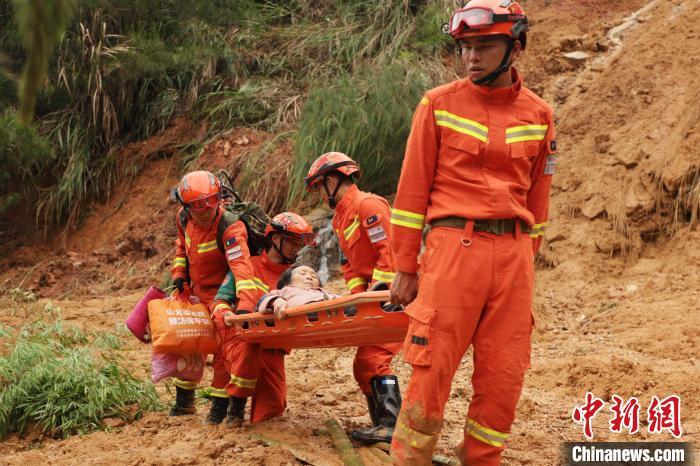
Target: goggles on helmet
(307,239)
(476,18)
(203,203)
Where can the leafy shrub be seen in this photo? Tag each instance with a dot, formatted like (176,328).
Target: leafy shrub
(66,381)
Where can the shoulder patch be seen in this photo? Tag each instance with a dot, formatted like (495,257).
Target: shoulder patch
(373,219)
(424,101)
(230,242)
(553,146)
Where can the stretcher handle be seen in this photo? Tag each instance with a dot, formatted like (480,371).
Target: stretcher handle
(345,301)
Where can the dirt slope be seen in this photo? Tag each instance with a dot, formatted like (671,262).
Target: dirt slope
(617,288)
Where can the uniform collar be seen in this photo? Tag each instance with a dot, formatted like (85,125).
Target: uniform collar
(348,199)
(274,266)
(501,94)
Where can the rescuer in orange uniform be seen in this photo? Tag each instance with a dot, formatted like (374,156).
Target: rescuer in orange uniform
(361,221)
(209,245)
(256,371)
(478,169)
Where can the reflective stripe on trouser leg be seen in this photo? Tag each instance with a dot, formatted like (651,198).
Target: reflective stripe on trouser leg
(186,384)
(220,377)
(373,360)
(501,353)
(245,366)
(444,323)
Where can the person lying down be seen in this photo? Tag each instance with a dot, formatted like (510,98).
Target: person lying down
(296,287)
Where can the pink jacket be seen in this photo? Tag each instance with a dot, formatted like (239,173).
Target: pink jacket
(295,297)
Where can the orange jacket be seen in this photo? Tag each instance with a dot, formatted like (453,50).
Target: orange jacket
(198,257)
(361,222)
(477,153)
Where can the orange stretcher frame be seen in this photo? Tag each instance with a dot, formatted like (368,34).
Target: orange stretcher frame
(353,320)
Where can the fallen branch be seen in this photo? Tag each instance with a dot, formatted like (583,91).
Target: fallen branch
(342,444)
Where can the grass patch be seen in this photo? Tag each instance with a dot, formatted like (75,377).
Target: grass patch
(64,380)
(368,117)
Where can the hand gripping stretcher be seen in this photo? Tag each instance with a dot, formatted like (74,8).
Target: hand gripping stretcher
(355,320)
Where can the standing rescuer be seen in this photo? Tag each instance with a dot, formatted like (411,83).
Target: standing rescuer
(210,243)
(477,169)
(361,221)
(255,371)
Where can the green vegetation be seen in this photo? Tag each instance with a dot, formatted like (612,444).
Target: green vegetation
(367,116)
(123,71)
(65,380)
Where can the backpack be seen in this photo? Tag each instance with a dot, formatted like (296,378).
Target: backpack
(251,214)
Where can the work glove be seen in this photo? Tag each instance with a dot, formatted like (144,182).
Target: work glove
(179,283)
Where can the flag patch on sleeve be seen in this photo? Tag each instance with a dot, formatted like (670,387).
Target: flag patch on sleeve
(376,234)
(234,253)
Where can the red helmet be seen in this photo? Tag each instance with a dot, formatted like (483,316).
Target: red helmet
(489,17)
(328,163)
(199,190)
(291,224)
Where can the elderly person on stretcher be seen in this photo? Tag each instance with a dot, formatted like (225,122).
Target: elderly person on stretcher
(296,287)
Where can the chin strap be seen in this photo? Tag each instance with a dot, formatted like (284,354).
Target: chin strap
(285,260)
(502,68)
(331,197)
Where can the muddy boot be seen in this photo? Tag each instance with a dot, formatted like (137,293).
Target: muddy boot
(184,402)
(217,413)
(236,411)
(387,400)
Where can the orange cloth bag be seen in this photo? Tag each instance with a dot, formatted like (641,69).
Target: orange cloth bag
(178,326)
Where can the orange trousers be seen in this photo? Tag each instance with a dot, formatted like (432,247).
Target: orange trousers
(475,289)
(221,375)
(258,373)
(372,360)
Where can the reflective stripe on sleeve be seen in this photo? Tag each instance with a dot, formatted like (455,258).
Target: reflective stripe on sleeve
(357,281)
(386,277)
(179,262)
(259,284)
(245,285)
(407,219)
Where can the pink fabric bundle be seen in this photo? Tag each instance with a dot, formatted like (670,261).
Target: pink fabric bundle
(138,319)
(182,366)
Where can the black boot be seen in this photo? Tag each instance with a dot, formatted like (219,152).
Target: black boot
(184,402)
(387,400)
(236,411)
(218,410)
(372,407)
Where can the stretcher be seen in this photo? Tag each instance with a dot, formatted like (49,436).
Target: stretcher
(355,320)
